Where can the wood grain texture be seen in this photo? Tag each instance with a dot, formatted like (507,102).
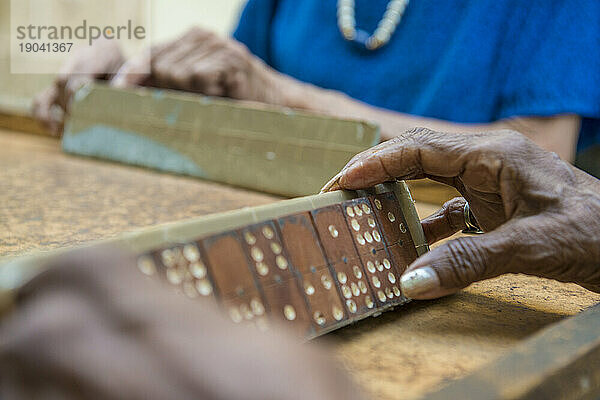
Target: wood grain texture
(50,199)
(22,122)
(540,367)
(260,147)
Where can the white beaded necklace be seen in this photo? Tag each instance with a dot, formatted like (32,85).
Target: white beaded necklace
(385,28)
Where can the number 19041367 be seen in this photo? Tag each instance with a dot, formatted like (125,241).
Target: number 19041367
(45,47)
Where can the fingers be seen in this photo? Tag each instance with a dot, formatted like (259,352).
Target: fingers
(202,71)
(163,63)
(460,262)
(202,62)
(476,157)
(51,106)
(209,78)
(93,312)
(334,183)
(134,72)
(137,71)
(43,110)
(84,65)
(68,87)
(199,65)
(446,221)
(54,332)
(84,269)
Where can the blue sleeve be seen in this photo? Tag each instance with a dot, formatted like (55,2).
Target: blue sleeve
(552,60)
(254,27)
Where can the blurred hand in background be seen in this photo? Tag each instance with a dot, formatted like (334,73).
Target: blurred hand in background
(203,62)
(85,65)
(93,327)
(198,61)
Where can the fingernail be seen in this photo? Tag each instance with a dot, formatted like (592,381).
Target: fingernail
(332,182)
(419,281)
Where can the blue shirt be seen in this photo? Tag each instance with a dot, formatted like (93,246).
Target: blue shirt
(457,60)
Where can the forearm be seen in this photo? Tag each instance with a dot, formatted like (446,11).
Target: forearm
(558,134)
(309,97)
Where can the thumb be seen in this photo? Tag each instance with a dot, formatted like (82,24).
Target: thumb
(458,263)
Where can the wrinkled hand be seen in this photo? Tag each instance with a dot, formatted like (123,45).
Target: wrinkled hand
(86,64)
(93,327)
(540,214)
(200,61)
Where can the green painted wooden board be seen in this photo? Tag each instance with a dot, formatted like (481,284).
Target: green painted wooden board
(274,150)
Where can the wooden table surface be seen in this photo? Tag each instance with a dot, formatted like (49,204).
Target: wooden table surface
(49,199)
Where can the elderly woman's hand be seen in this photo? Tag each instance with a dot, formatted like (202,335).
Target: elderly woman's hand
(201,61)
(540,214)
(86,64)
(93,327)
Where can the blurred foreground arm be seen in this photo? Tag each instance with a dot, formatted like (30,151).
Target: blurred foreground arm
(94,328)
(540,214)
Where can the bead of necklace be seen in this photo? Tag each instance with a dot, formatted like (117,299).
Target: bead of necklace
(384,31)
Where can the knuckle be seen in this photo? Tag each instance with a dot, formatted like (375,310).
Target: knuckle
(508,141)
(420,130)
(464,264)
(485,159)
(195,31)
(238,48)
(520,142)
(207,77)
(554,157)
(455,203)
(454,212)
(510,134)
(213,43)
(417,131)
(179,80)
(487,146)
(396,140)
(556,256)
(235,84)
